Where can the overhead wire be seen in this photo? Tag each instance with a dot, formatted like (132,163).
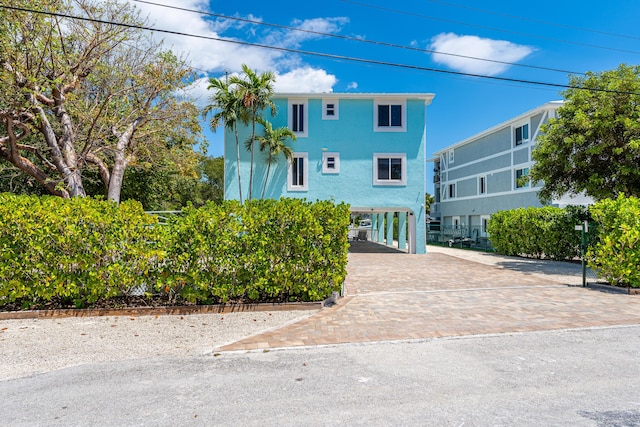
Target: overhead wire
(537,21)
(351,38)
(450,21)
(317,54)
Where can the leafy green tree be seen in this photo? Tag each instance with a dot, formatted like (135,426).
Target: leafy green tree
(593,146)
(428,200)
(83,95)
(273,142)
(212,178)
(255,91)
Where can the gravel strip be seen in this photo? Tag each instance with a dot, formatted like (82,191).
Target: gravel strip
(34,346)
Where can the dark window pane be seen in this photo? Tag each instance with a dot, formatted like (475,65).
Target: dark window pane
(383,115)
(331,162)
(518,136)
(396,115)
(396,169)
(295,118)
(525,132)
(301,118)
(294,171)
(383,169)
(300,171)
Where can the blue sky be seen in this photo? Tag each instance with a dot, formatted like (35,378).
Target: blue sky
(565,36)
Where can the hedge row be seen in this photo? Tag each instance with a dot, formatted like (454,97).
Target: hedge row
(82,252)
(546,232)
(616,254)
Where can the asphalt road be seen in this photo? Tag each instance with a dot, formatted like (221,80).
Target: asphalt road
(588,377)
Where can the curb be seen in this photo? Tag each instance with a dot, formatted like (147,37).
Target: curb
(613,289)
(151,311)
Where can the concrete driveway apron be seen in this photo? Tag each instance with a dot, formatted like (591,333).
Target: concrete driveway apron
(447,292)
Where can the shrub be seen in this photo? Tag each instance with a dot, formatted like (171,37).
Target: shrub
(616,254)
(537,232)
(77,252)
(263,250)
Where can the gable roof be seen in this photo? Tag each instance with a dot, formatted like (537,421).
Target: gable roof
(547,106)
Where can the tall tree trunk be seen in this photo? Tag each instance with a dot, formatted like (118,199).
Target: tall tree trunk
(120,161)
(238,159)
(70,173)
(253,144)
(67,139)
(266,178)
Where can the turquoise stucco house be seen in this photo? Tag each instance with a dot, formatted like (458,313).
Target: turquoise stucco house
(368,150)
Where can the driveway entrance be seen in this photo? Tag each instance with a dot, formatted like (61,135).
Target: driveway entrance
(448,292)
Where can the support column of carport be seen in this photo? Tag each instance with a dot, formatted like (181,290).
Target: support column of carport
(402,230)
(389,229)
(380,227)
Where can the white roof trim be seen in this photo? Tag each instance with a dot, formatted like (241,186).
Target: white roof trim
(426,97)
(541,108)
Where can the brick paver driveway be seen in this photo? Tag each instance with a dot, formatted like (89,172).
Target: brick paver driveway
(395,296)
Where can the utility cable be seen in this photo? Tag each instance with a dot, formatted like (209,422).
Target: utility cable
(319,54)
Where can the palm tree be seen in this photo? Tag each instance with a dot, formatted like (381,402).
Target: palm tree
(229,110)
(273,142)
(255,91)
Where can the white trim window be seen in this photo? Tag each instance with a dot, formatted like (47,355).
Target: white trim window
(482,184)
(451,154)
(330,109)
(521,134)
(452,191)
(298,120)
(389,169)
(520,173)
(298,172)
(330,163)
(389,115)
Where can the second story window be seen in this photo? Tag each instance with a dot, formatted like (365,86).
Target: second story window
(297,173)
(482,185)
(521,180)
(330,162)
(298,117)
(521,134)
(389,169)
(452,191)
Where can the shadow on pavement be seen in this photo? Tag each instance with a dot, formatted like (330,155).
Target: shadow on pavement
(366,247)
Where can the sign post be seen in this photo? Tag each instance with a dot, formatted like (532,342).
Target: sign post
(584,229)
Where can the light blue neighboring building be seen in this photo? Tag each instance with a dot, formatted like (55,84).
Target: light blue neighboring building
(479,176)
(368,150)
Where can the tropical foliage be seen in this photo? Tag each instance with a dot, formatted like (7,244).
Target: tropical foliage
(546,232)
(85,96)
(242,99)
(616,254)
(82,251)
(593,146)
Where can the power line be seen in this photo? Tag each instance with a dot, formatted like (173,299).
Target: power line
(537,21)
(354,39)
(318,54)
(450,21)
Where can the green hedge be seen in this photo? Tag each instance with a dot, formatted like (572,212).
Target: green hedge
(263,250)
(546,232)
(82,252)
(616,254)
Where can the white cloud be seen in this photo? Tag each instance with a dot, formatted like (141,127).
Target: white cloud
(305,79)
(476,47)
(352,86)
(215,57)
